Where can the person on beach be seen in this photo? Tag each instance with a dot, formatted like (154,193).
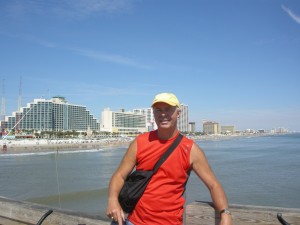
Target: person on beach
(163,202)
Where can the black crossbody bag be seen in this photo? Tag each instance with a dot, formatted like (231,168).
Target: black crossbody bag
(137,181)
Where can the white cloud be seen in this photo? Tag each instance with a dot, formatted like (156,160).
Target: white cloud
(66,8)
(96,55)
(30,38)
(40,41)
(118,59)
(291,14)
(89,6)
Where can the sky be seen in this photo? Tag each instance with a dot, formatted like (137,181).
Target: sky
(233,62)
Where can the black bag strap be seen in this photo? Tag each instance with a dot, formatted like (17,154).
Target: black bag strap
(167,153)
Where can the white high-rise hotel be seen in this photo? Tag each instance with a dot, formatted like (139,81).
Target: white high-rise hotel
(57,114)
(122,122)
(52,115)
(183,122)
(137,121)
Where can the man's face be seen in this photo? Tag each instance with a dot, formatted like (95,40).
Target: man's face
(165,115)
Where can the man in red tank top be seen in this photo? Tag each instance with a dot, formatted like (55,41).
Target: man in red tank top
(162,202)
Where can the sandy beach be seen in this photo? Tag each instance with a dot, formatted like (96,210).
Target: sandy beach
(34,145)
(16,146)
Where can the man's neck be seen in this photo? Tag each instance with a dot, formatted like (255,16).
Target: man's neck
(166,134)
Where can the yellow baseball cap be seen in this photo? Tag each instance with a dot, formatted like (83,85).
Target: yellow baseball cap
(168,98)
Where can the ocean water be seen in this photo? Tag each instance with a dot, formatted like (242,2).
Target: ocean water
(260,171)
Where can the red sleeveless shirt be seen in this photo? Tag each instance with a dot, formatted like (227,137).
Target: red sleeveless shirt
(162,202)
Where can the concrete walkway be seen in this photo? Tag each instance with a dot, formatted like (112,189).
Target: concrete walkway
(6,221)
(14,212)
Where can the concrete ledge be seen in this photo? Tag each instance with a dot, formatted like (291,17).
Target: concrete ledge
(30,213)
(204,213)
(24,213)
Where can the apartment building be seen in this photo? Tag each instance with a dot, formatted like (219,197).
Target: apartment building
(227,129)
(150,121)
(183,121)
(123,122)
(192,127)
(55,114)
(211,127)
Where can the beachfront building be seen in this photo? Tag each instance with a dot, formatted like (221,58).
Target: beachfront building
(192,127)
(55,114)
(122,122)
(211,128)
(3,125)
(183,121)
(227,129)
(150,121)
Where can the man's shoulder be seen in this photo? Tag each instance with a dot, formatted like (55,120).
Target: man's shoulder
(186,138)
(149,135)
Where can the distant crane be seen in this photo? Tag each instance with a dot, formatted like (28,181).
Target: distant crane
(3,101)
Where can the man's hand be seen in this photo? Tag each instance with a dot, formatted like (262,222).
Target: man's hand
(115,212)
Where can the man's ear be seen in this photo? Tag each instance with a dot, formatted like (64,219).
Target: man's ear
(178,113)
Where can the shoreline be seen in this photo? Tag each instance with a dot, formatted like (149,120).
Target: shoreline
(20,146)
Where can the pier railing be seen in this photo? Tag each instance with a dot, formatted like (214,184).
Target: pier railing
(197,213)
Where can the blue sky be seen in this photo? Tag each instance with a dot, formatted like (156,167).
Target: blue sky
(234,62)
